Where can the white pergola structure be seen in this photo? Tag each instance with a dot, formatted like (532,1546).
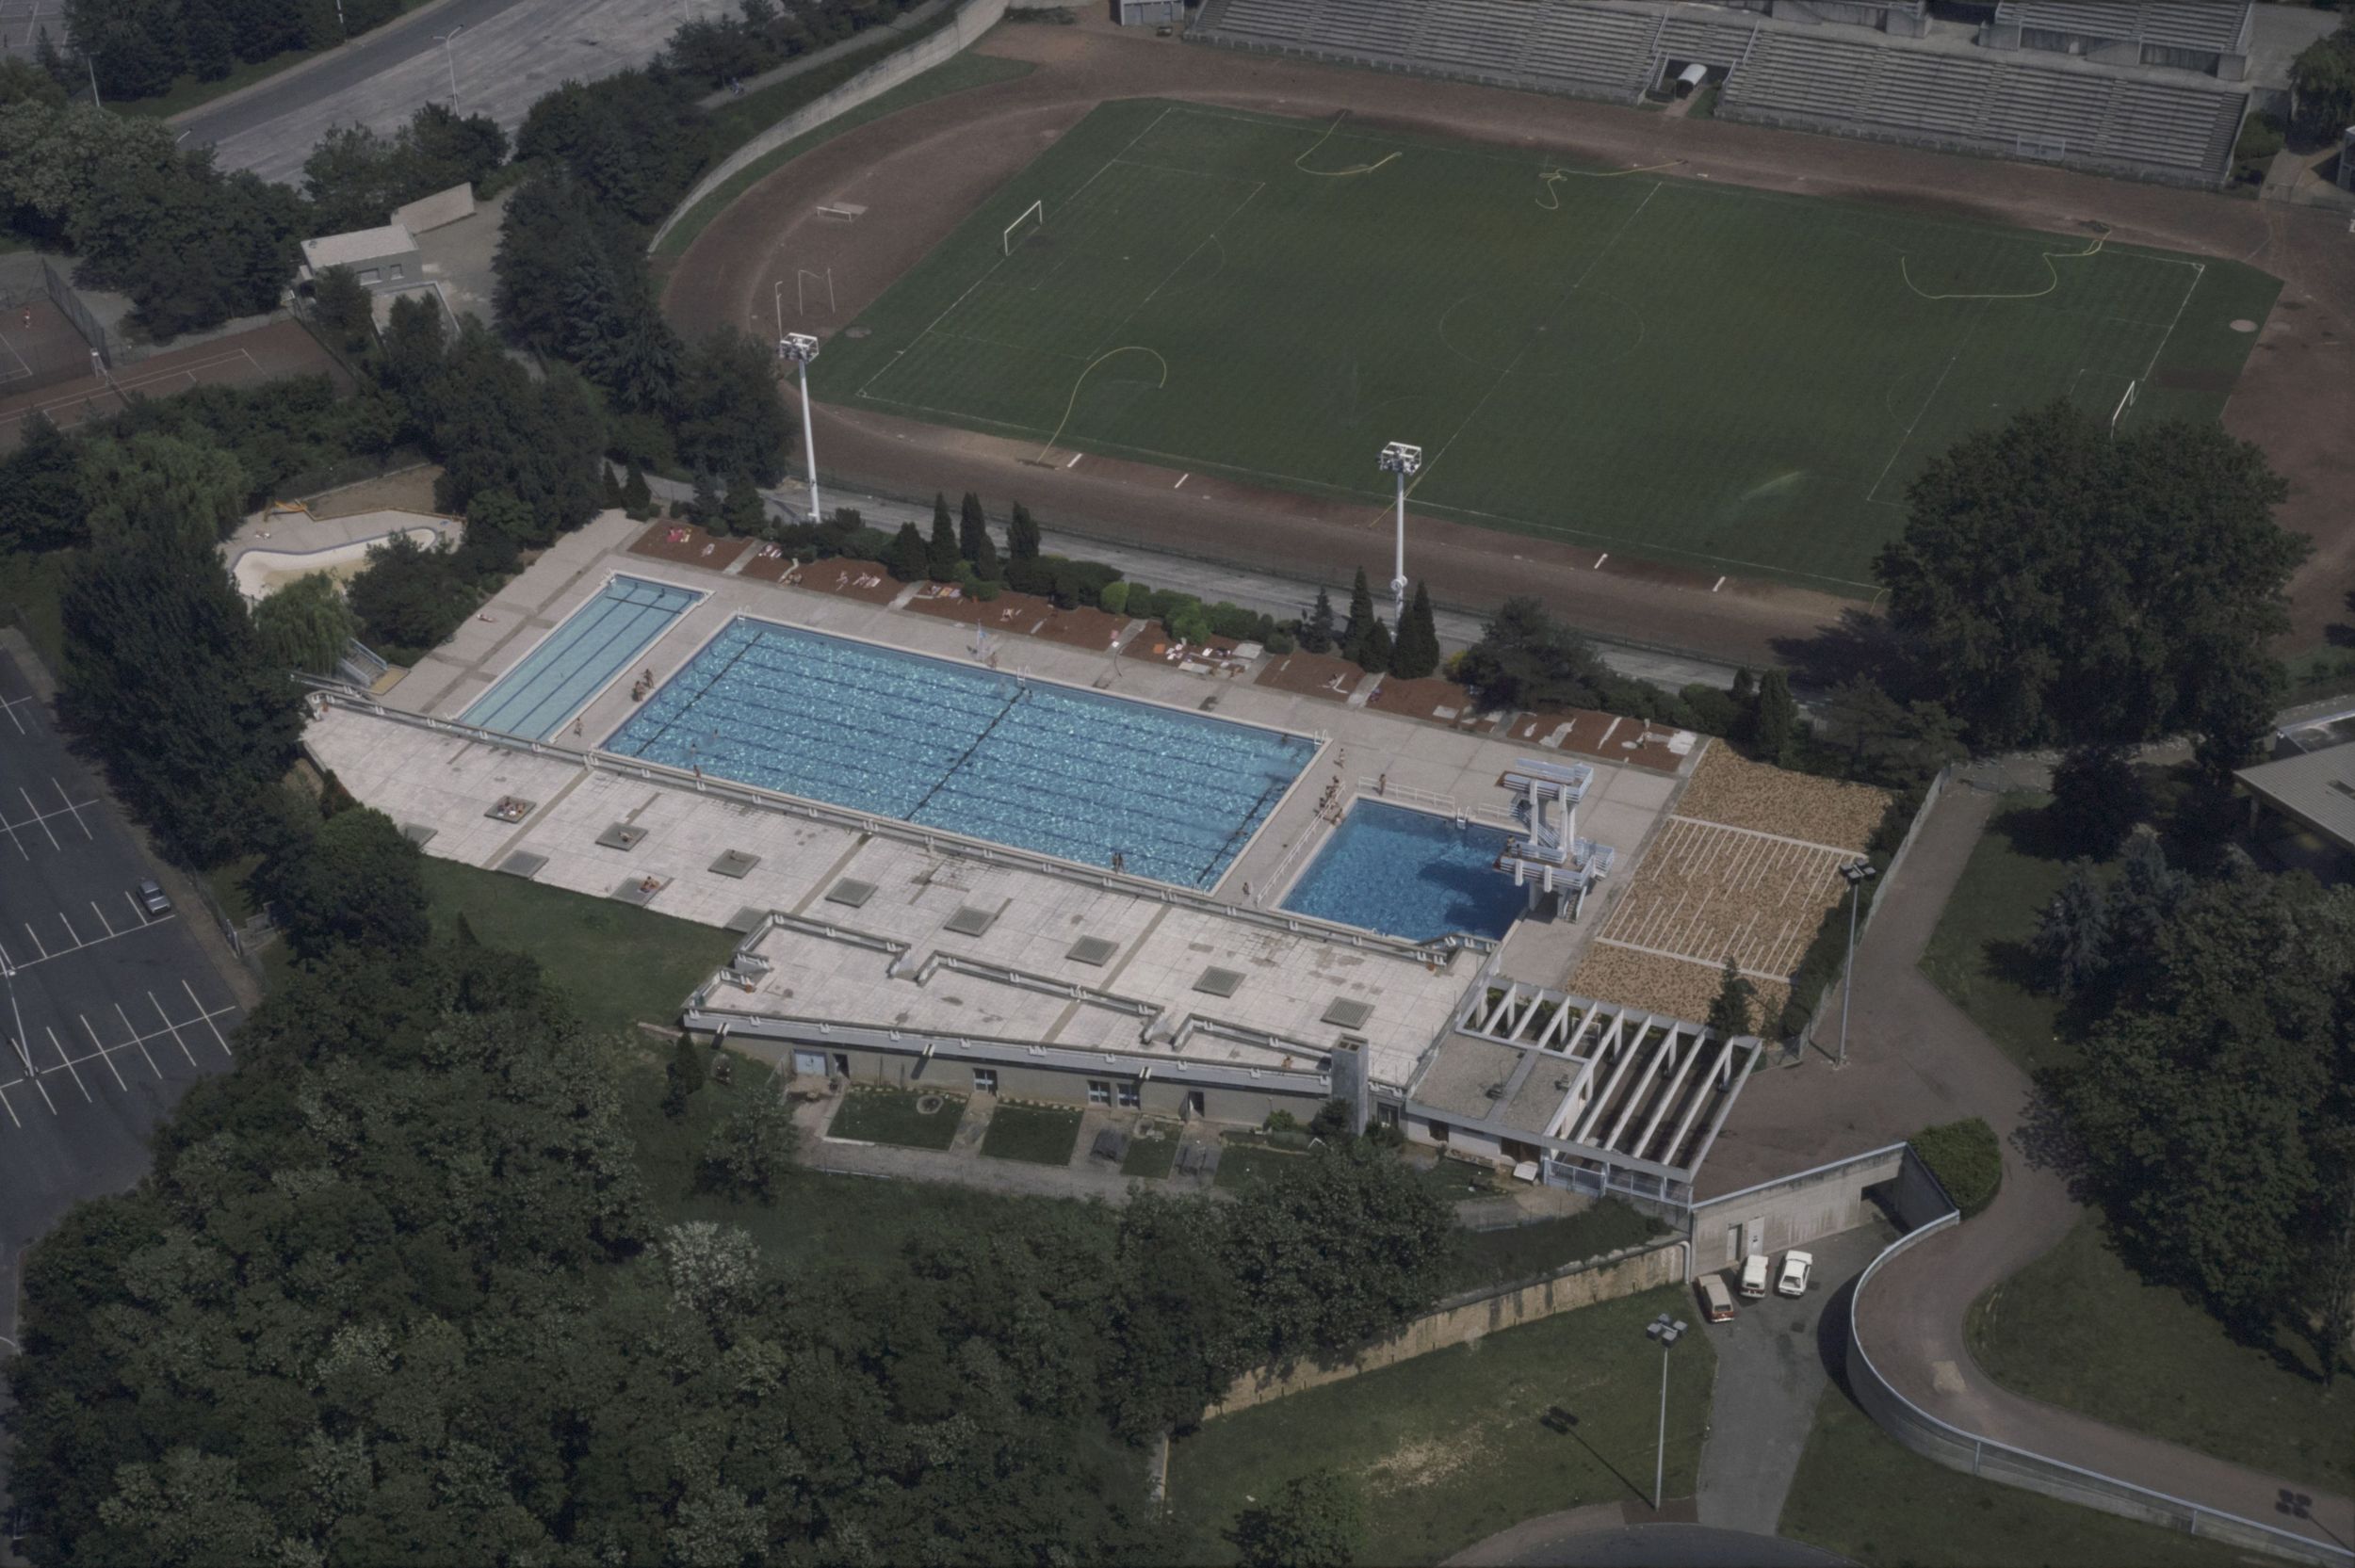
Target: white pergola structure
(1551,857)
(1403,461)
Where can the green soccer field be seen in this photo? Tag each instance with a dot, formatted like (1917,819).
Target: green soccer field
(1724,379)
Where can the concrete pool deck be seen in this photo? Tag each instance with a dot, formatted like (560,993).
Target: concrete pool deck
(437,783)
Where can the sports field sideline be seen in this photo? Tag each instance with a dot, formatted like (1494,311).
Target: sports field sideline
(1730,379)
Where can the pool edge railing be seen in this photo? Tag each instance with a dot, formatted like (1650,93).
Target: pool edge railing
(932,840)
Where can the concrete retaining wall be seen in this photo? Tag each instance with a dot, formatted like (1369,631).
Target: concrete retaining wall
(973,19)
(1462,1321)
(1792,1211)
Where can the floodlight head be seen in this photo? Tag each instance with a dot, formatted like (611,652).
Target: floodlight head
(798,347)
(1860,873)
(1399,458)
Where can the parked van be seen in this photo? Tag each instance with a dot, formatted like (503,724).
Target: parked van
(1754,1275)
(1715,1300)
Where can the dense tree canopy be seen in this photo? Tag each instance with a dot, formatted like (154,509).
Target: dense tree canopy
(166,678)
(2056,584)
(137,47)
(355,177)
(2215,1094)
(2323,75)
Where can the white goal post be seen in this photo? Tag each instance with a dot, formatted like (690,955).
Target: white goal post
(2124,403)
(1033,215)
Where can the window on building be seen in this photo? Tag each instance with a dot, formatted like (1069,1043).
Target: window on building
(369,274)
(396,271)
(985,1081)
(1129,1099)
(1099,1093)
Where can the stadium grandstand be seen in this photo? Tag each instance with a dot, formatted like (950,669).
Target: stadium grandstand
(2207,35)
(2135,94)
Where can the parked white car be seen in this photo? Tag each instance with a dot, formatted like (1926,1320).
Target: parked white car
(1754,1275)
(1796,1269)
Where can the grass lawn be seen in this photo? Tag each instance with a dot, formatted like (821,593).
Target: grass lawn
(1452,1446)
(1150,1157)
(818,1221)
(1036,1135)
(1220,291)
(620,964)
(891,1116)
(968,70)
(1524,1252)
(1859,1493)
(1975,956)
(2080,1328)
(1243,1164)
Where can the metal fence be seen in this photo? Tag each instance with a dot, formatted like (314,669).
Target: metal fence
(1957,1450)
(42,356)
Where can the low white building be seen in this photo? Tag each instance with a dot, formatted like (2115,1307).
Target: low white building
(382,259)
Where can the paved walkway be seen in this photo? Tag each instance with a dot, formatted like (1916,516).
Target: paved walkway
(1628,1535)
(1910,1039)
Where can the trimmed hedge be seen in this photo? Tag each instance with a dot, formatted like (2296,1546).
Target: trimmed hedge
(1966,1160)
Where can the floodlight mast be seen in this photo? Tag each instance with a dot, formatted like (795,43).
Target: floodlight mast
(1403,461)
(801,349)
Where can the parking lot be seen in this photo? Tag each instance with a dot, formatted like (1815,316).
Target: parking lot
(108,1010)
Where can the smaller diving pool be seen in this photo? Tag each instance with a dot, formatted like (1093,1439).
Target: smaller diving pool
(575,661)
(1410,874)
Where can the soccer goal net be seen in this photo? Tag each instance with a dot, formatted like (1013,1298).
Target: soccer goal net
(1033,219)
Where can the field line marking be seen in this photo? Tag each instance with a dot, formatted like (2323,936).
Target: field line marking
(1236,212)
(2198,277)
(1002,261)
(1936,387)
(1507,374)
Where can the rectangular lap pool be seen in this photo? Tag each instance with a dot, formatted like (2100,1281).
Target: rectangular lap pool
(1025,762)
(576,660)
(1411,874)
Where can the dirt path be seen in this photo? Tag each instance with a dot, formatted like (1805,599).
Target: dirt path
(919,173)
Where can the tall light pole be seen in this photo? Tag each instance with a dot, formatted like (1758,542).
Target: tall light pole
(776,299)
(1667,1331)
(450,55)
(1401,459)
(801,349)
(1856,875)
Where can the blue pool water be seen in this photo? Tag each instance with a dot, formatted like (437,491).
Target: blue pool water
(950,746)
(576,660)
(1410,874)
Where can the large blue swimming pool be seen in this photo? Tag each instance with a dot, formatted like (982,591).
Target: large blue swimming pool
(1410,874)
(1020,762)
(573,663)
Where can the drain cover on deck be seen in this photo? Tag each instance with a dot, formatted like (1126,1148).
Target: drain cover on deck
(1219,982)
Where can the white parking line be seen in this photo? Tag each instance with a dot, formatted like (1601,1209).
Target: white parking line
(131,1029)
(72,935)
(102,917)
(35,811)
(80,946)
(59,1046)
(8,706)
(139,915)
(9,1108)
(72,807)
(173,1028)
(208,1020)
(13,839)
(103,1056)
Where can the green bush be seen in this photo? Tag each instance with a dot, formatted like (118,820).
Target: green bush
(1966,1160)
(1115,598)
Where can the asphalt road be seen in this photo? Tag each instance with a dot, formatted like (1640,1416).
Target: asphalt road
(107,1012)
(505,55)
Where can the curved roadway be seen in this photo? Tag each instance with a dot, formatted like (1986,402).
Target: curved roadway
(1911,1319)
